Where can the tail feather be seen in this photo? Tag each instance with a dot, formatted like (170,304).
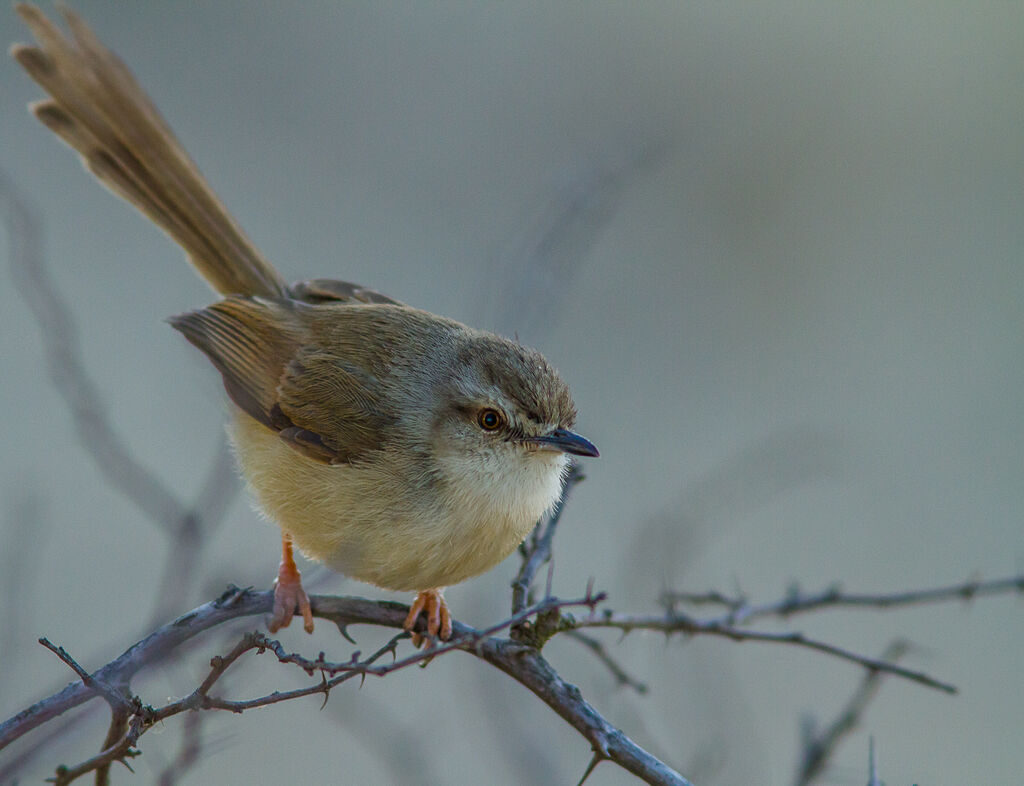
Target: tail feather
(98,109)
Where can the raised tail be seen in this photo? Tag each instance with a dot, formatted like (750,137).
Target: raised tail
(98,108)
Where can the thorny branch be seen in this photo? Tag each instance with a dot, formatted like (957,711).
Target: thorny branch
(676,622)
(795,601)
(524,664)
(726,625)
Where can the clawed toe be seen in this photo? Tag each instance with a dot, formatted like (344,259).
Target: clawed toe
(439,619)
(289,596)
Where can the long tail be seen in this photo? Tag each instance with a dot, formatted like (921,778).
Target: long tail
(98,108)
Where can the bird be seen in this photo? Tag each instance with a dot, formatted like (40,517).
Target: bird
(393,445)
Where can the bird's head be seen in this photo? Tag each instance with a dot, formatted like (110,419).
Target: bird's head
(504,427)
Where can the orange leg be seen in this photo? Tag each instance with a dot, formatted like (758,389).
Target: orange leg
(289,596)
(439,619)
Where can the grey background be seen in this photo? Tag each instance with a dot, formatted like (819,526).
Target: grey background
(784,281)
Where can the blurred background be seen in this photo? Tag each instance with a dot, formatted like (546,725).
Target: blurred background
(775,250)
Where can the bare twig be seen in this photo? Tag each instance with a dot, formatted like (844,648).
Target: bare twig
(677,622)
(522,662)
(187,525)
(739,611)
(536,550)
(117,734)
(115,698)
(796,602)
(819,748)
(120,750)
(597,647)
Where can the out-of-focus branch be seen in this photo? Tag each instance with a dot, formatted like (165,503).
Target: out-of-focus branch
(622,677)
(121,468)
(819,747)
(83,398)
(522,663)
(538,264)
(187,525)
(796,602)
(188,754)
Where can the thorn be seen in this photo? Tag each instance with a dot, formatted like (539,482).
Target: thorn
(343,630)
(327,690)
(126,764)
(594,761)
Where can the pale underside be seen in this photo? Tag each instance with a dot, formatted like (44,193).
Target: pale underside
(338,514)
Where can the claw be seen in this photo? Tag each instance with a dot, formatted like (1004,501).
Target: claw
(289,596)
(439,619)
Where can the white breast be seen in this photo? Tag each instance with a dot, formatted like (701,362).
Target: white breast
(379,528)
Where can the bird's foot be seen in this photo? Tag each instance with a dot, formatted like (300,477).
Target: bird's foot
(289,596)
(439,619)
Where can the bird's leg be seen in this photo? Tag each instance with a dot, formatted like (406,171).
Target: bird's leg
(439,619)
(288,593)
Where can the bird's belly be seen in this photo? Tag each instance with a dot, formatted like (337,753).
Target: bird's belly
(356,522)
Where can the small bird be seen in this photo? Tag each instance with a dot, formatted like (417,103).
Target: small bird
(398,447)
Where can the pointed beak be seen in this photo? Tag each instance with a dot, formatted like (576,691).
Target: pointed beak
(567,442)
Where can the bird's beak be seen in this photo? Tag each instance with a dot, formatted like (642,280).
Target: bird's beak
(567,442)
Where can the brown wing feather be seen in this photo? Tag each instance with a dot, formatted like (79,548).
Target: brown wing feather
(336,399)
(327,290)
(99,109)
(251,343)
(321,404)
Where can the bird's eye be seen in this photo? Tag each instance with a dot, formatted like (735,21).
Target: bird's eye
(489,419)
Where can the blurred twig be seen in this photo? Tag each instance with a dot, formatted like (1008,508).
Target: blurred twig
(120,467)
(818,748)
(188,753)
(539,263)
(795,601)
(83,398)
(622,677)
(186,525)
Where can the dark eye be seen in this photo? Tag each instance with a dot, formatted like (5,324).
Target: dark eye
(489,419)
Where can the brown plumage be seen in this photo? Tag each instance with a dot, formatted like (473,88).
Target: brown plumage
(402,448)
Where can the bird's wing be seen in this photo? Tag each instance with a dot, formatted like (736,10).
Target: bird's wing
(326,290)
(325,403)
